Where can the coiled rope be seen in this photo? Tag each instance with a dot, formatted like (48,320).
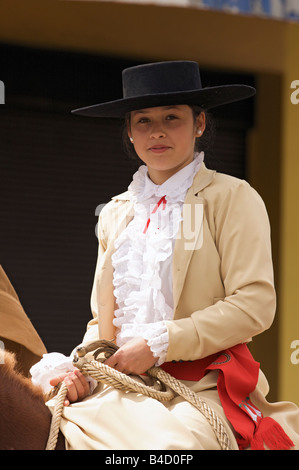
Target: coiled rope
(163,387)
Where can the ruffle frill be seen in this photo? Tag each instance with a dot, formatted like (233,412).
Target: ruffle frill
(142,261)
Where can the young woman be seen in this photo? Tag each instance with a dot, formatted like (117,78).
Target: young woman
(184,280)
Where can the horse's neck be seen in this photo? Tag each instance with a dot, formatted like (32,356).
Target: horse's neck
(25,419)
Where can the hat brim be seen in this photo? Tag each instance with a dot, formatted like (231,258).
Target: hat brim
(206,98)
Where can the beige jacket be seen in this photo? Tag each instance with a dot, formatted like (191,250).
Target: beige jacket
(223,285)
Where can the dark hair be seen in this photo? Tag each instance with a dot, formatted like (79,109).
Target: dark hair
(203,143)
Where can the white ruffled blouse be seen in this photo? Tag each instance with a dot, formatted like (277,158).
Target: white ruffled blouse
(142,262)
(142,265)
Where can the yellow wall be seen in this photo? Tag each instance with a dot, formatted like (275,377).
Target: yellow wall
(214,39)
(289,239)
(264,47)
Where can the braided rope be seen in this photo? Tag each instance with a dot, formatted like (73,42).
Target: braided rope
(55,423)
(164,387)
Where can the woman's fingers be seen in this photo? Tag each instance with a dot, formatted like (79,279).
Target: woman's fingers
(77,385)
(134,357)
(57,379)
(82,384)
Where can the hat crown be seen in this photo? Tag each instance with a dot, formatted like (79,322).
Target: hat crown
(161,77)
(165,84)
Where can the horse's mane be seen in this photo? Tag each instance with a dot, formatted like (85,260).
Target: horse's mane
(10,373)
(25,419)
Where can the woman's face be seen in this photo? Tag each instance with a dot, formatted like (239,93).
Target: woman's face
(164,138)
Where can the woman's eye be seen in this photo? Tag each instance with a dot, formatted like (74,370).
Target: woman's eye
(170,117)
(146,120)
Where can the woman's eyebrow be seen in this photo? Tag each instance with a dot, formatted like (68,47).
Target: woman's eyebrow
(146,110)
(173,106)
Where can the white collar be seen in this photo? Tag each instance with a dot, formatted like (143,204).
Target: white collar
(175,187)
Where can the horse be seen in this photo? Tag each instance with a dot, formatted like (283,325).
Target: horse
(25,419)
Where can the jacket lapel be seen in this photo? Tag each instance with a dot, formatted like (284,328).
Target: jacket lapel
(190,236)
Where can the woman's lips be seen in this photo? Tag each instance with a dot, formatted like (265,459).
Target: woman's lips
(159,148)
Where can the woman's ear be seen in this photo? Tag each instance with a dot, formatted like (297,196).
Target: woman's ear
(129,129)
(200,124)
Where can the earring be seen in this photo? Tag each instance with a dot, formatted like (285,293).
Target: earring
(199,132)
(131,140)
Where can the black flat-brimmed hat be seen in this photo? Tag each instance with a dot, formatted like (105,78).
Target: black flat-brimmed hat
(163,84)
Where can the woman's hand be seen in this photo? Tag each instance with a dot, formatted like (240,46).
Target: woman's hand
(77,385)
(134,357)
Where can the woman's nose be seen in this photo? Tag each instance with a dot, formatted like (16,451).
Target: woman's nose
(157,130)
(157,133)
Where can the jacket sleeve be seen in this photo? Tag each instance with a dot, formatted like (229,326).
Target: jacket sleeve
(242,239)
(92,330)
